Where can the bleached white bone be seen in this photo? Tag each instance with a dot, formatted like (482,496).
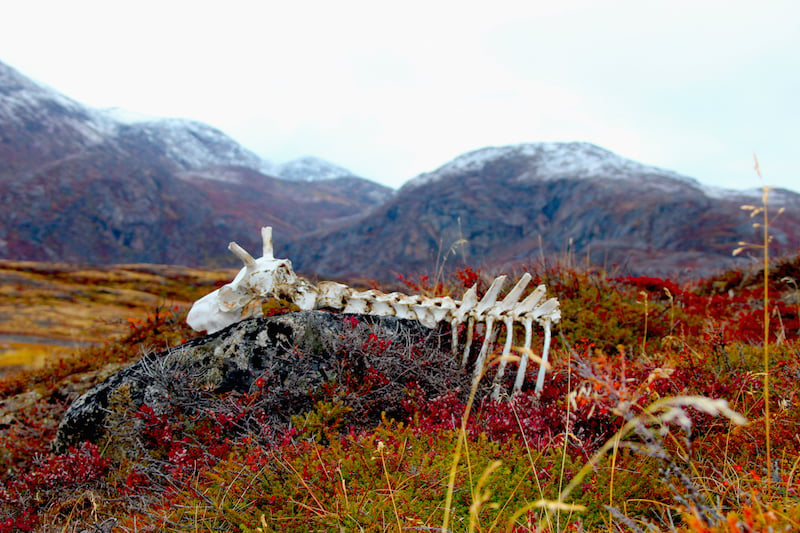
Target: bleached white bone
(242,254)
(332,295)
(258,279)
(479,313)
(404,306)
(544,314)
(382,305)
(266,242)
(358,302)
(207,314)
(490,298)
(523,363)
(468,340)
(530,302)
(508,321)
(519,313)
(431,311)
(549,310)
(543,365)
(512,298)
(502,312)
(461,314)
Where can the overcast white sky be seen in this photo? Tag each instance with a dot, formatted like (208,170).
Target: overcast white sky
(393,89)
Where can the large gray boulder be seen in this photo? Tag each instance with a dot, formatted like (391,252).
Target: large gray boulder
(288,361)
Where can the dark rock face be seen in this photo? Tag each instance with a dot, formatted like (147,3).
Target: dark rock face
(287,360)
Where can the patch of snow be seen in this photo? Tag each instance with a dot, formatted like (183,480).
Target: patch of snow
(27,101)
(777,197)
(755,196)
(124,116)
(311,169)
(196,145)
(719,193)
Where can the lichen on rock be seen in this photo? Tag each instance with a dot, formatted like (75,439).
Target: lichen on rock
(288,362)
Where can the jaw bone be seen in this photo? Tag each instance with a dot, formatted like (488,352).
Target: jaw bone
(268,277)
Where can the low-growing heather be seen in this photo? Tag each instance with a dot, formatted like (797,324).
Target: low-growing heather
(652,419)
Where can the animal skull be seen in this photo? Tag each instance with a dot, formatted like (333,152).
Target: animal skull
(268,277)
(259,279)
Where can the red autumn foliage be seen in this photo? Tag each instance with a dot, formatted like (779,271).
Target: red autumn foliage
(701,340)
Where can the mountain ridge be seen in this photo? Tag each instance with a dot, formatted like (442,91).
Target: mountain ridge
(78,185)
(509,207)
(574,159)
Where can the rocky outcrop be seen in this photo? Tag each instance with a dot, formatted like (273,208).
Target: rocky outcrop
(289,362)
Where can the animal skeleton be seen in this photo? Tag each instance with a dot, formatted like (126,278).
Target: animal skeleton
(270,277)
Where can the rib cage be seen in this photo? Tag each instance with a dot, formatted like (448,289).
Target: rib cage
(268,277)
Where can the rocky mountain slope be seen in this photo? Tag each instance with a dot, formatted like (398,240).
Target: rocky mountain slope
(102,186)
(83,185)
(514,205)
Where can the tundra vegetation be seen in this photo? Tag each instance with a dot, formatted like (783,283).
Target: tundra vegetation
(653,417)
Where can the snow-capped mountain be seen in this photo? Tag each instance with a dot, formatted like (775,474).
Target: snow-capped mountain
(100,186)
(27,112)
(30,107)
(192,144)
(511,206)
(558,160)
(583,160)
(86,185)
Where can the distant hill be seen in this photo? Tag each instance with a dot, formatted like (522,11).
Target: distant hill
(79,184)
(513,205)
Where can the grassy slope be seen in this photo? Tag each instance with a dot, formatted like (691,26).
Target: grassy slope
(617,355)
(48,308)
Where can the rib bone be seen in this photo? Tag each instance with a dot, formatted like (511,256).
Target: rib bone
(523,363)
(480,313)
(502,312)
(468,303)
